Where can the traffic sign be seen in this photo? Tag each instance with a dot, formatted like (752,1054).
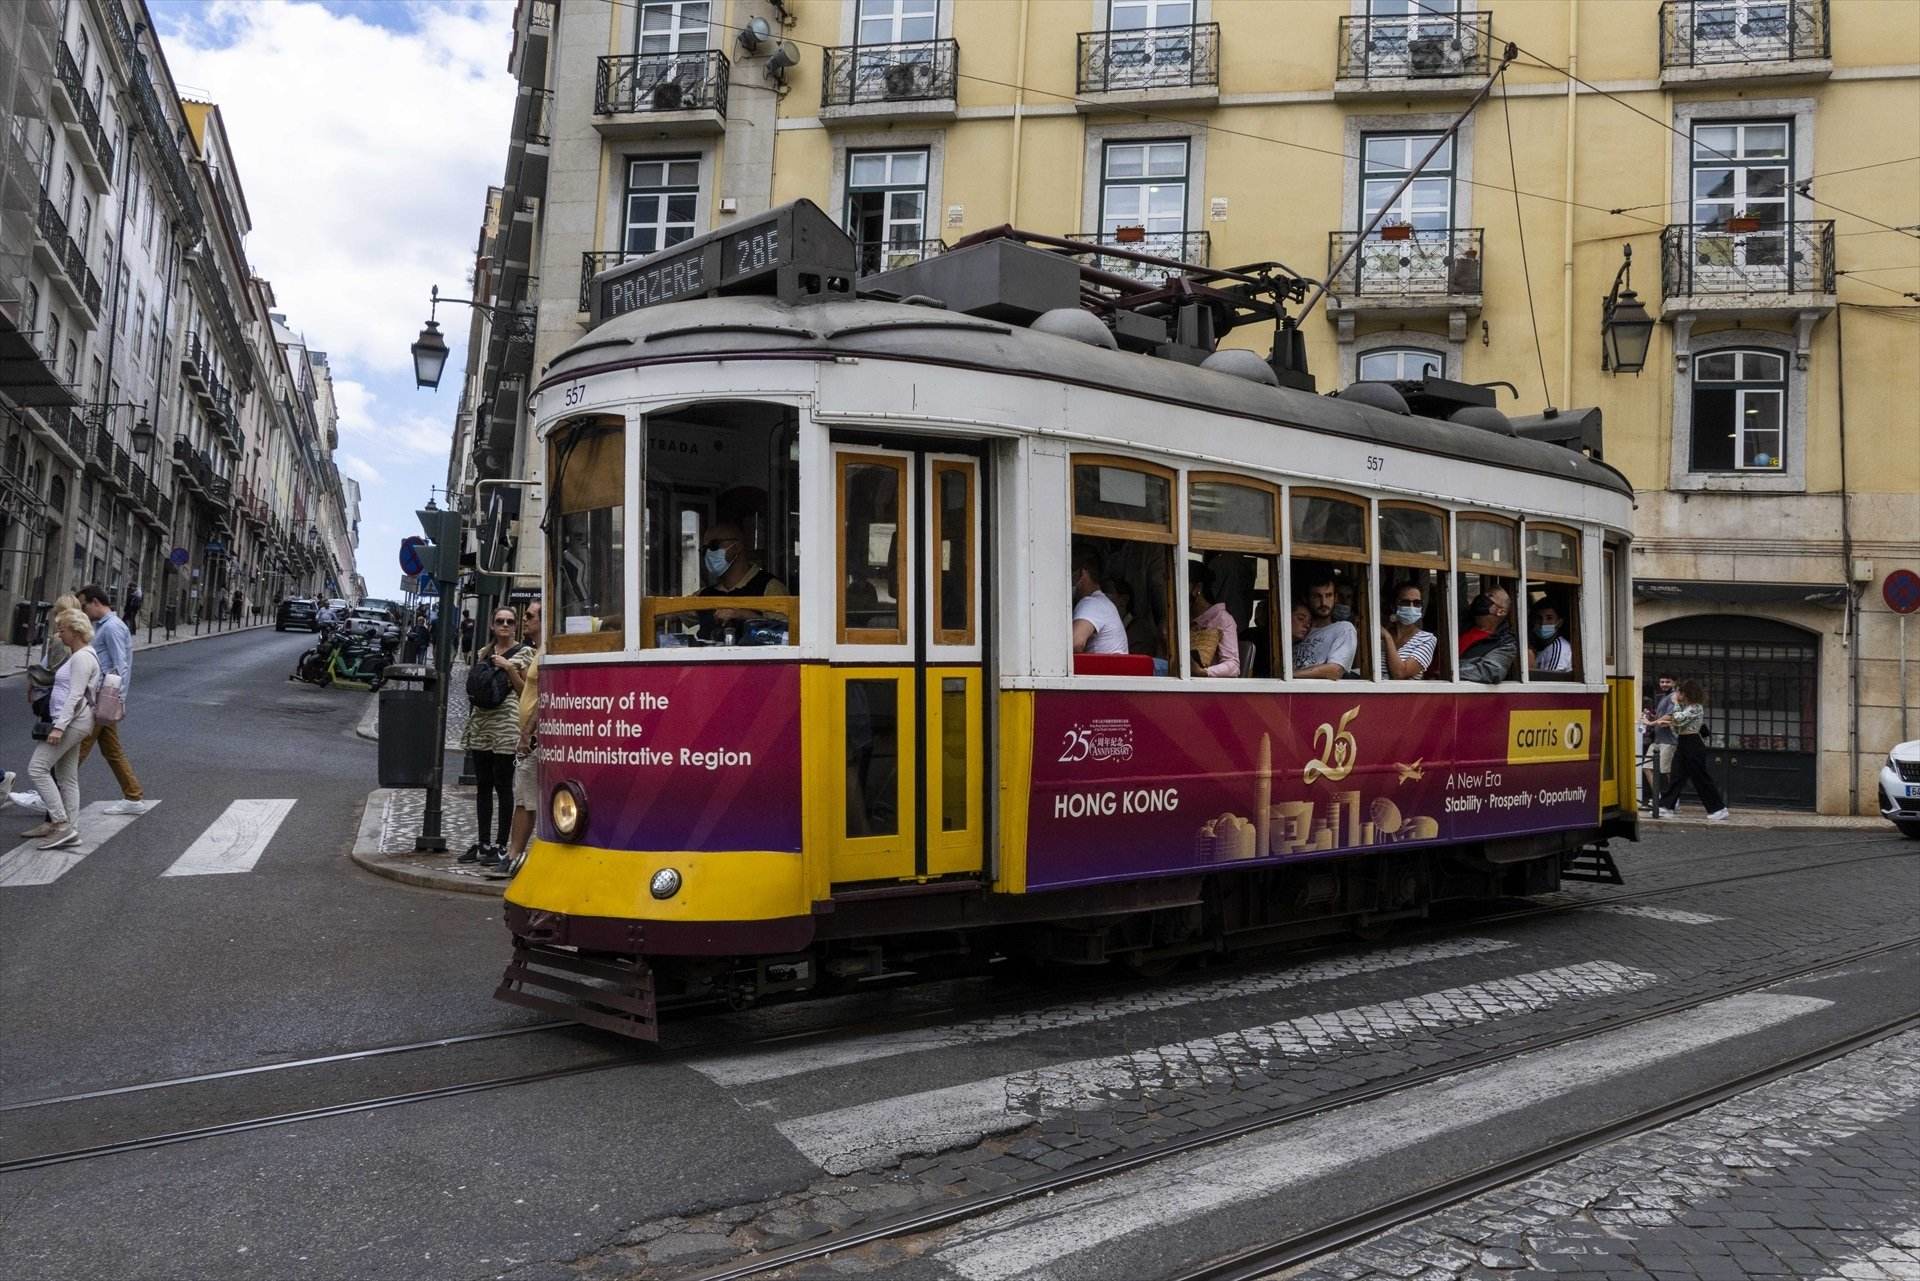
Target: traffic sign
(410,554)
(1901,591)
(428,586)
(178,557)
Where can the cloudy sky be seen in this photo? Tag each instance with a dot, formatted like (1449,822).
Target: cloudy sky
(366,134)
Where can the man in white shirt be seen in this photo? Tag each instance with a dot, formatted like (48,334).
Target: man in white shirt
(1097,625)
(1328,650)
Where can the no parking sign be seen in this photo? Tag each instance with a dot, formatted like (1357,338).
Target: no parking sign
(1901,591)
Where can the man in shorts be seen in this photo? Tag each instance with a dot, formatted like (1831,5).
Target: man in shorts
(526,773)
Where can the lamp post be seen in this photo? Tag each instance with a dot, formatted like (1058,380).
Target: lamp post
(430,348)
(143,438)
(1626,330)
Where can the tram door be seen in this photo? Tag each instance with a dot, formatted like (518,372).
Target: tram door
(906,686)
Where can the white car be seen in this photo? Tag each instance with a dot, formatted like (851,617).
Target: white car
(1900,788)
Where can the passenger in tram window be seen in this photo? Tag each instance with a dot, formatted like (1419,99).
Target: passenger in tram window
(1143,634)
(1327,651)
(1550,652)
(1097,626)
(1488,650)
(1214,638)
(1408,647)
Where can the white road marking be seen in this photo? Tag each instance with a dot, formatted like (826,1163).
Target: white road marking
(26,865)
(1028,1238)
(1671,915)
(235,841)
(741,1069)
(874,1134)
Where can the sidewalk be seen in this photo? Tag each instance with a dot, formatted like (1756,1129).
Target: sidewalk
(384,845)
(1767,820)
(14,658)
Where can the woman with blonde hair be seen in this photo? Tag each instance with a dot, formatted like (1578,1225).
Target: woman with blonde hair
(55,769)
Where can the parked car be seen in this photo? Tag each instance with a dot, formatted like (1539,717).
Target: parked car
(297,611)
(392,607)
(1900,788)
(365,620)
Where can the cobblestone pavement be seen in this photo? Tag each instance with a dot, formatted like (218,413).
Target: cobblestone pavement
(1815,1175)
(902,1119)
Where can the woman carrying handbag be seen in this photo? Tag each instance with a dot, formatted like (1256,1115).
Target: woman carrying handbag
(55,769)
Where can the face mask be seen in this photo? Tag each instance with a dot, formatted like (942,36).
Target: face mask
(1342,613)
(1545,631)
(715,561)
(1407,614)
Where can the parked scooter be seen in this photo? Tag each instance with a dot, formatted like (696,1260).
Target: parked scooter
(344,659)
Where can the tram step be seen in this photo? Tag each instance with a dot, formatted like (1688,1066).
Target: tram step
(1594,863)
(617,996)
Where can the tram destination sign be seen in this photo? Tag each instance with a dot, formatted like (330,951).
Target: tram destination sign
(794,253)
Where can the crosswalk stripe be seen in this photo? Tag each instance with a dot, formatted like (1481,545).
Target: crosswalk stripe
(1093,1222)
(235,841)
(1671,915)
(25,864)
(846,1139)
(742,1069)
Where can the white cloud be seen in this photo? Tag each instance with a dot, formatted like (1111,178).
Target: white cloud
(359,468)
(363,421)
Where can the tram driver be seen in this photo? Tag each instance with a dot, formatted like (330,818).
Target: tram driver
(1097,626)
(732,571)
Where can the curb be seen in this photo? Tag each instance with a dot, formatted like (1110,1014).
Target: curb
(369,729)
(178,640)
(367,854)
(1774,822)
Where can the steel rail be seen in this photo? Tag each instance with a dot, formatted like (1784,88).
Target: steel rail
(945,1215)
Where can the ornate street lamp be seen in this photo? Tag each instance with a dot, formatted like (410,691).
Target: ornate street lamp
(429,355)
(1626,330)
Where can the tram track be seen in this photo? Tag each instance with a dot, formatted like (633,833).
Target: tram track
(670,1056)
(1268,1259)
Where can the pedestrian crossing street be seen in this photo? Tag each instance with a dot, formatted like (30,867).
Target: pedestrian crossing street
(234,842)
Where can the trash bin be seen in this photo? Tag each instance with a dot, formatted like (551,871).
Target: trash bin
(26,621)
(408,725)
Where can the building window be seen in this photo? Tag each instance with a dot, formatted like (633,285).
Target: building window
(1739,411)
(661,196)
(1742,174)
(1427,203)
(31,312)
(1144,185)
(673,26)
(887,207)
(896,21)
(52,348)
(1392,364)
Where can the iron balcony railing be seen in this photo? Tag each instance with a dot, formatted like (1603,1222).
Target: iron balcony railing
(1150,58)
(53,229)
(1775,258)
(537,128)
(1414,48)
(85,107)
(540,14)
(594,261)
(1404,263)
(1718,33)
(67,252)
(648,82)
(911,71)
(1190,247)
(877,256)
(83,277)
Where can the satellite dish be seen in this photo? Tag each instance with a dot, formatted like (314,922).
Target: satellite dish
(756,33)
(784,55)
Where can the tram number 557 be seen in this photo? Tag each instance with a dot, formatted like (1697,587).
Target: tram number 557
(1376,463)
(574,395)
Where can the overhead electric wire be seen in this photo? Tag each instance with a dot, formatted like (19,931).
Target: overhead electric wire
(1520,227)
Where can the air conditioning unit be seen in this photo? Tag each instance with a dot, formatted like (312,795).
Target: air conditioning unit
(1433,56)
(909,79)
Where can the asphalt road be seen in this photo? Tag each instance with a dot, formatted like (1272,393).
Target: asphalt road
(114,975)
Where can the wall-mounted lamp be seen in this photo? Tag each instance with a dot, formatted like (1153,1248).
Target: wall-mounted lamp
(1626,330)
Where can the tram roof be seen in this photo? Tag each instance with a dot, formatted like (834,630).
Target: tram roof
(760,327)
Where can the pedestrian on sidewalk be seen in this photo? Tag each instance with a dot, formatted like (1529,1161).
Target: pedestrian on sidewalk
(466,632)
(493,734)
(114,645)
(135,599)
(1690,751)
(55,768)
(526,771)
(1660,773)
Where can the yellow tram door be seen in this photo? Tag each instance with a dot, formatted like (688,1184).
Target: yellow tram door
(905,701)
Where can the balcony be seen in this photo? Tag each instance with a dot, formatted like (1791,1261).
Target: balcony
(529,58)
(1427,56)
(912,80)
(644,95)
(877,256)
(592,263)
(1190,247)
(70,432)
(219,491)
(191,467)
(1157,66)
(122,473)
(193,363)
(510,348)
(1406,274)
(1778,269)
(66,263)
(530,148)
(1754,41)
(93,147)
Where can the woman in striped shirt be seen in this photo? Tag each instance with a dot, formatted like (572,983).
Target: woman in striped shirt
(1409,648)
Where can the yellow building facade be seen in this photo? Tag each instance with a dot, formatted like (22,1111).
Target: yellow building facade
(1759,158)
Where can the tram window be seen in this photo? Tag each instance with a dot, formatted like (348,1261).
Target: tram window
(722,520)
(871,496)
(1328,575)
(1234,530)
(953,535)
(1413,576)
(1489,568)
(873,758)
(587,462)
(1122,559)
(1553,596)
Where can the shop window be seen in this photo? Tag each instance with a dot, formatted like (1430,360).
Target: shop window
(722,526)
(1553,602)
(1413,574)
(1328,573)
(587,537)
(1233,529)
(1123,541)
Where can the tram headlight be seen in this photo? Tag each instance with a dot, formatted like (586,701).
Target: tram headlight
(568,809)
(665,883)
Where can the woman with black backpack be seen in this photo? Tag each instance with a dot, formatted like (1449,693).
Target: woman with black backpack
(493,734)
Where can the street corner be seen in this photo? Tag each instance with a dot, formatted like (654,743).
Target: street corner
(390,822)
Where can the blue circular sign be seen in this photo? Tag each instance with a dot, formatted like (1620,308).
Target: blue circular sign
(1901,591)
(410,562)
(178,557)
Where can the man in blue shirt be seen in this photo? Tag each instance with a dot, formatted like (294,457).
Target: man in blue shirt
(114,645)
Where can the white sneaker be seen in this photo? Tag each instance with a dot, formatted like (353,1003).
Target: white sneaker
(61,838)
(1718,816)
(6,789)
(128,807)
(25,800)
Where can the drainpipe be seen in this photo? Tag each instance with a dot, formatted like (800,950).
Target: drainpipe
(1846,573)
(1566,209)
(1019,102)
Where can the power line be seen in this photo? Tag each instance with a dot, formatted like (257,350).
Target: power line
(1520,227)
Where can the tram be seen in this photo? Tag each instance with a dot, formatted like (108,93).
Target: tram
(811,712)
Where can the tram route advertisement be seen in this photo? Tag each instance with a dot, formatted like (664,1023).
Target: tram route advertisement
(1134,784)
(686,757)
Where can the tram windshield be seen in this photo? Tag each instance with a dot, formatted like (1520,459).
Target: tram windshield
(722,526)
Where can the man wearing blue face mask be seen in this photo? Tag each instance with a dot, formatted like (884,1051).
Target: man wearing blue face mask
(731,571)
(1552,652)
(1409,648)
